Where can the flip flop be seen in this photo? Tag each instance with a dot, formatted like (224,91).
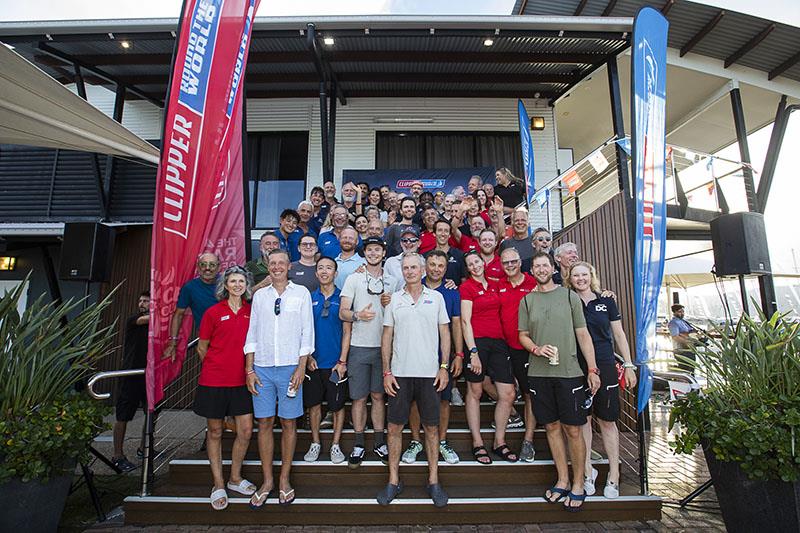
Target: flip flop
(562,493)
(258,499)
(284,495)
(574,497)
(243,487)
(219,494)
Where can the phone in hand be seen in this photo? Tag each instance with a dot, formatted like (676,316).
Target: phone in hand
(334,377)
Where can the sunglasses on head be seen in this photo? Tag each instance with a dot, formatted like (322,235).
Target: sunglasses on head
(277,308)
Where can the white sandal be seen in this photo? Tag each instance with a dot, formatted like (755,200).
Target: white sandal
(219,494)
(243,487)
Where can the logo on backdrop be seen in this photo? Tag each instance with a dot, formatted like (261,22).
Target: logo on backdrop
(426,183)
(437,179)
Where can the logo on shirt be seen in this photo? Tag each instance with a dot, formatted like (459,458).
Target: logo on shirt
(226,317)
(601,307)
(503,290)
(427,301)
(481,293)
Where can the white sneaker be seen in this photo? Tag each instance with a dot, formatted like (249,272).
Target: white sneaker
(611,491)
(337,456)
(313,453)
(410,455)
(456,398)
(588,482)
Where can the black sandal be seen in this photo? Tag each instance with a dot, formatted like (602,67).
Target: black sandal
(480,452)
(505,453)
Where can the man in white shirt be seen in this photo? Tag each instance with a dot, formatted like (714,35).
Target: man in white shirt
(409,242)
(279,341)
(415,351)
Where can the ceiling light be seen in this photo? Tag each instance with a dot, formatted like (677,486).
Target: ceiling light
(8,263)
(488,42)
(125,44)
(328,41)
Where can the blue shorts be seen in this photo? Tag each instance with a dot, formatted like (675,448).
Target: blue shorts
(274,384)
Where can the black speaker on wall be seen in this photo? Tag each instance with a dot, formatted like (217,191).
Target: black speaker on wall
(740,244)
(86,252)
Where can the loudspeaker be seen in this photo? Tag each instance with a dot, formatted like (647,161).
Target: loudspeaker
(86,252)
(740,244)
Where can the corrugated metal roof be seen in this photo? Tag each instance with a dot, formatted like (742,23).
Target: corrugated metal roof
(687,18)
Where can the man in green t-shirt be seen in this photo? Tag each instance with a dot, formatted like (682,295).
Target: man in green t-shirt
(550,320)
(258,267)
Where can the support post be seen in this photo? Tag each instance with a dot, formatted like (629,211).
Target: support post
(108,181)
(248,252)
(773,151)
(332,126)
(80,84)
(766,284)
(323,120)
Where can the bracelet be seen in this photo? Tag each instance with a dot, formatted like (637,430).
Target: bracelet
(251,372)
(594,371)
(340,362)
(387,373)
(629,365)
(460,355)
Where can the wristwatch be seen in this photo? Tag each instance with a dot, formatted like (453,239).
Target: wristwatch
(629,365)
(444,366)
(355,316)
(473,351)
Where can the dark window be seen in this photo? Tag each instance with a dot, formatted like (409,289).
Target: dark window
(277,163)
(416,150)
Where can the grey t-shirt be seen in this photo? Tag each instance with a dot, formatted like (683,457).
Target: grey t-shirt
(367,334)
(551,318)
(304,275)
(415,347)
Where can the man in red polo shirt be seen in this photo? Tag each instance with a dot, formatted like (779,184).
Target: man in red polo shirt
(487,242)
(513,288)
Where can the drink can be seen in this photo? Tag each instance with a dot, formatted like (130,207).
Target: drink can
(291,392)
(554,359)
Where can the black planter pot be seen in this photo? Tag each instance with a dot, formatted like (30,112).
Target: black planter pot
(748,505)
(33,506)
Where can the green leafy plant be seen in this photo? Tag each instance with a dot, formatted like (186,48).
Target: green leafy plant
(44,423)
(750,411)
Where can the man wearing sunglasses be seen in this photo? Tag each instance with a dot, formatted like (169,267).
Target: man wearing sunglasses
(196,294)
(279,341)
(409,242)
(364,296)
(326,368)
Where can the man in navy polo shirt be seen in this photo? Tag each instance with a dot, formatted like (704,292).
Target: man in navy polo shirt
(435,268)
(196,294)
(289,234)
(327,360)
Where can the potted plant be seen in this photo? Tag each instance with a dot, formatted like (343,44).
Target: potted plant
(748,422)
(46,424)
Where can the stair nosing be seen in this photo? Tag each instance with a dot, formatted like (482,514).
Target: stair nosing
(442,464)
(399,501)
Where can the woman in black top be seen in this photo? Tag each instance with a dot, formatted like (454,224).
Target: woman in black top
(605,326)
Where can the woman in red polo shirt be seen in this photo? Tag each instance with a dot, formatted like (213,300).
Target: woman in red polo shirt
(489,357)
(221,389)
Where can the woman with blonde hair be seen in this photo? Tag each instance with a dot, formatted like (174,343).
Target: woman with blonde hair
(510,189)
(604,323)
(222,389)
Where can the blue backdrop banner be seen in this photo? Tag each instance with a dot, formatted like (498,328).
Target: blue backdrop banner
(527,151)
(437,179)
(648,150)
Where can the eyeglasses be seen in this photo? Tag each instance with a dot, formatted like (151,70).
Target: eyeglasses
(206,264)
(409,240)
(544,239)
(307,244)
(371,283)
(326,309)
(510,262)
(277,308)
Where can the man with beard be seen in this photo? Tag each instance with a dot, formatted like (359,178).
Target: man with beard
(487,242)
(364,296)
(348,260)
(455,257)
(549,322)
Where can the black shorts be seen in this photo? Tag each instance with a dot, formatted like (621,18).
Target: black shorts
(420,390)
(132,395)
(495,360)
(519,364)
(219,402)
(559,400)
(319,387)
(605,405)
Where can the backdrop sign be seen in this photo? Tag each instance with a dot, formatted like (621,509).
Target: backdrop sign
(438,179)
(649,88)
(199,201)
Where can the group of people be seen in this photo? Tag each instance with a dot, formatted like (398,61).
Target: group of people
(431,288)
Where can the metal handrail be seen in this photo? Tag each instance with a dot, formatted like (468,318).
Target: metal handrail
(108,375)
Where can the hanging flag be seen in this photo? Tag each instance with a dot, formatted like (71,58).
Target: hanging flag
(527,151)
(542,197)
(199,197)
(572,181)
(648,87)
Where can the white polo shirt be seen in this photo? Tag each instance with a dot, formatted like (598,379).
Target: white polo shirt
(415,347)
